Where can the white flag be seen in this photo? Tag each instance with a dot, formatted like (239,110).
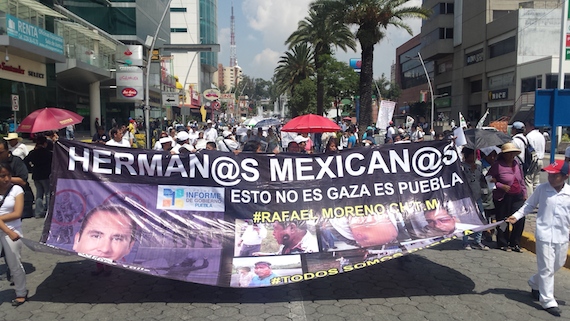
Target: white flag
(462,122)
(482,120)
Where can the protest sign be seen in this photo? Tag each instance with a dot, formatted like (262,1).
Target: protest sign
(255,219)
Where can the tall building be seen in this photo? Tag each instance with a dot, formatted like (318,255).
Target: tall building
(486,55)
(194,22)
(130,23)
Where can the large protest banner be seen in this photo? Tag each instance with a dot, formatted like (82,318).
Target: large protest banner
(254,219)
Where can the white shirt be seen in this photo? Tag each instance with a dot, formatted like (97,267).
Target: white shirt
(20,150)
(227,145)
(253,237)
(553,218)
(520,140)
(8,206)
(537,141)
(391,132)
(122,143)
(210,134)
(176,149)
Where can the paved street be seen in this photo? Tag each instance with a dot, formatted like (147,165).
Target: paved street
(444,283)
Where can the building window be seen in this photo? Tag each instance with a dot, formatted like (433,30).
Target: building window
(445,33)
(528,84)
(177,9)
(442,8)
(476,86)
(552,81)
(474,57)
(179,30)
(502,47)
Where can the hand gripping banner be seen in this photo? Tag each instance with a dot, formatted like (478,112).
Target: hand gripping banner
(252,220)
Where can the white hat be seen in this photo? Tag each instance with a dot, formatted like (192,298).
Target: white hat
(226,133)
(12,136)
(165,140)
(300,139)
(209,121)
(182,136)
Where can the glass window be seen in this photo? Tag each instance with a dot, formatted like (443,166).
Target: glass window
(177,9)
(178,29)
(528,84)
(476,86)
(502,47)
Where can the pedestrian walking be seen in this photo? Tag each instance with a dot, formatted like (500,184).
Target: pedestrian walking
(38,162)
(552,228)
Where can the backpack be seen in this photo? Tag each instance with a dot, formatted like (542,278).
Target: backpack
(530,163)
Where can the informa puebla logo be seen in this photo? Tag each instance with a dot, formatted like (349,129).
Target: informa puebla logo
(190,198)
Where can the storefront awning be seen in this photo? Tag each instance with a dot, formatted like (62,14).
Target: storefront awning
(35,5)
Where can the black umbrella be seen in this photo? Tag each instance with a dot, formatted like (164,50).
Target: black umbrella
(479,138)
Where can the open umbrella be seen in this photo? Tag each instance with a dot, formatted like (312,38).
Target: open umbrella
(49,118)
(267,122)
(479,138)
(251,121)
(310,123)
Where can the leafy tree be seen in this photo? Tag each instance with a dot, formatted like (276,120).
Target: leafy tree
(302,100)
(293,67)
(389,90)
(322,32)
(372,17)
(340,81)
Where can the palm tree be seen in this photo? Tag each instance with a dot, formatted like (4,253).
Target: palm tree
(322,33)
(294,66)
(372,17)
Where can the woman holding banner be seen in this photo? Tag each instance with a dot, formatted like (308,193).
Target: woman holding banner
(11,207)
(509,195)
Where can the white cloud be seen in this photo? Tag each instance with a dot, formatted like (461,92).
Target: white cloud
(224,38)
(264,63)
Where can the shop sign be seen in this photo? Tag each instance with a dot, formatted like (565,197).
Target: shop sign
(23,70)
(35,35)
(498,94)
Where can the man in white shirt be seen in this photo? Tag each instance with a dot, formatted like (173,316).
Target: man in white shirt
(227,143)
(17,148)
(537,141)
(210,134)
(251,239)
(117,138)
(552,229)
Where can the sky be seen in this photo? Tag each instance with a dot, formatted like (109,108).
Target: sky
(262,26)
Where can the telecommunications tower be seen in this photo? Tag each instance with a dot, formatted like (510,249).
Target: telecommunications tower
(233,51)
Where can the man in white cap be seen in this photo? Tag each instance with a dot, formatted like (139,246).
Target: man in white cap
(227,142)
(302,142)
(17,148)
(183,144)
(210,134)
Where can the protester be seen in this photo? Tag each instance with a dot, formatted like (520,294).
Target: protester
(17,147)
(210,134)
(245,276)
(537,141)
(100,137)
(552,229)
(70,132)
(331,145)
(520,141)
(19,176)
(476,181)
(157,144)
(38,162)
(117,138)
(509,195)
(11,207)
(227,143)
(183,144)
(488,158)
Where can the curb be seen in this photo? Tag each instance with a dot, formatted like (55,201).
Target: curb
(528,241)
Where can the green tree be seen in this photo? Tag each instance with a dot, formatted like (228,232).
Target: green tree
(302,100)
(372,17)
(340,81)
(389,90)
(322,32)
(293,67)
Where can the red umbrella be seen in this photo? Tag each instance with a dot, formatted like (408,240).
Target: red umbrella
(47,119)
(310,124)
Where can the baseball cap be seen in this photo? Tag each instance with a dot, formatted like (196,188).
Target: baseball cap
(558,166)
(300,139)
(165,140)
(182,136)
(518,125)
(209,121)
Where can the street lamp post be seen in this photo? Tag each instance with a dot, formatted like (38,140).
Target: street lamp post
(430,90)
(147,89)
